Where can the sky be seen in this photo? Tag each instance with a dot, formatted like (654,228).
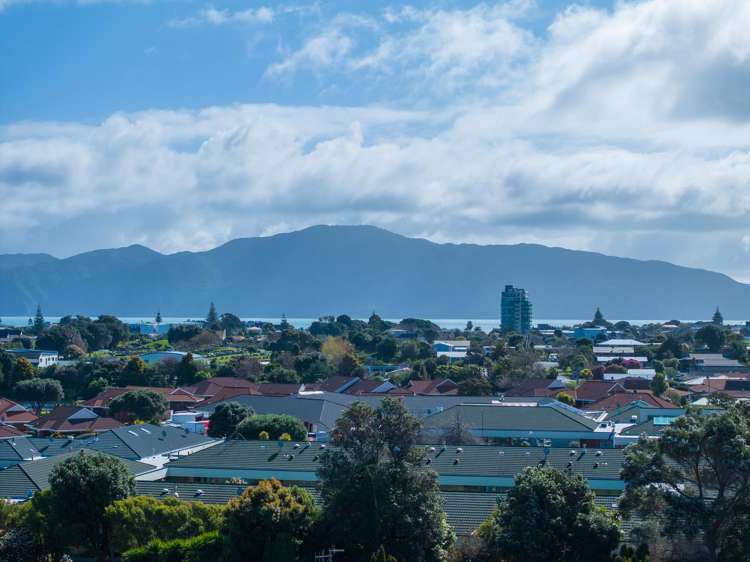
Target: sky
(612,126)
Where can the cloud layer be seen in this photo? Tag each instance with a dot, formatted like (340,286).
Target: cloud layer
(625,131)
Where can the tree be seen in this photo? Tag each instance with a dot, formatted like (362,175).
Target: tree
(376,489)
(158,319)
(599,318)
(550,515)
(718,319)
(695,479)
(231,323)
(659,384)
(134,373)
(711,336)
(81,488)
(387,349)
(268,522)
(144,405)
(23,370)
(207,547)
(137,520)
(274,424)
(475,386)
(186,370)
(39,392)
(566,398)
(226,417)
(59,337)
(671,347)
(38,326)
(212,318)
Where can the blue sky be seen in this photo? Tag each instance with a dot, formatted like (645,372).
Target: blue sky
(82,61)
(620,127)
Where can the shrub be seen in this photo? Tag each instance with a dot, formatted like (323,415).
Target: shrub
(208,547)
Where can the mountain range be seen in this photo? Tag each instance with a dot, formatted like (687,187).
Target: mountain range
(357,270)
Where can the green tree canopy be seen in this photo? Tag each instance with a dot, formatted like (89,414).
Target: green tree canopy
(137,520)
(274,424)
(225,418)
(695,480)
(145,405)
(22,370)
(659,384)
(212,318)
(81,488)
(268,522)
(550,515)
(38,326)
(376,489)
(39,392)
(187,370)
(134,373)
(712,336)
(475,386)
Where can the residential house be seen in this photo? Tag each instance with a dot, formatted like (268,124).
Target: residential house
(72,420)
(14,414)
(21,481)
(178,398)
(38,357)
(474,469)
(454,350)
(551,423)
(711,364)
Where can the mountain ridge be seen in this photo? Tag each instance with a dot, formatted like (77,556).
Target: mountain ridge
(357,269)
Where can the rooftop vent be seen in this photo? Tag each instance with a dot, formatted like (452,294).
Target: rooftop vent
(296,445)
(199,492)
(456,461)
(164,491)
(572,453)
(432,449)
(459,450)
(598,453)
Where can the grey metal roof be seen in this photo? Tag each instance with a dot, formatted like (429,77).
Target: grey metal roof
(128,442)
(512,418)
(477,460)
(312,410)
(18,480)
(466,511)
(17,449)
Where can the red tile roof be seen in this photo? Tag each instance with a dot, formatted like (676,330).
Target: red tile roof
(433,387)
(619,399)
(532,387)
(15,414)
(8,431)
(209,387)
(106,396)
(58,421)
(277,389)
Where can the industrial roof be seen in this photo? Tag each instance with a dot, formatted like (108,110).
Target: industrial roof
(17,481)
(128,442)
(477,460)
(512,418)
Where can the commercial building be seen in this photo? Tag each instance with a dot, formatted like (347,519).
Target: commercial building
(515,310)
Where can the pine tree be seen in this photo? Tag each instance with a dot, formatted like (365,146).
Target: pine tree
(158,317)
(718,318)
(599,318)
(38,321)
(213,318)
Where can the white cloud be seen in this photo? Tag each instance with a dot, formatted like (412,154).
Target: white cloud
(213,16)
(623,131)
